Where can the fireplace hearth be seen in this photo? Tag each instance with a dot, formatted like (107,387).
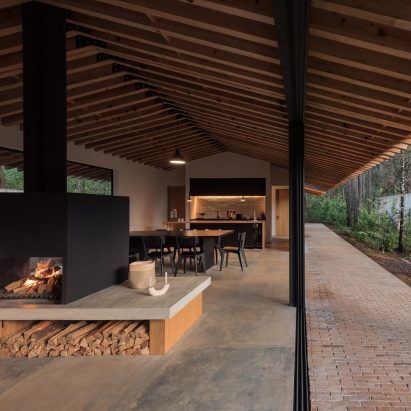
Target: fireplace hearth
(38,278)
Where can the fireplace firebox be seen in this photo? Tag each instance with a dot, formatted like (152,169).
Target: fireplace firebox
(38,278)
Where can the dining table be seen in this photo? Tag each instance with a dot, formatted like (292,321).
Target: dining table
(207,238)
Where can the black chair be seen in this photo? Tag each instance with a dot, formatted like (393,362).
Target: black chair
(189,248)
(239,250)
(156,248)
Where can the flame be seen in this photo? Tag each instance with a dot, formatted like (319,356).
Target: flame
(46,269)
(30,283)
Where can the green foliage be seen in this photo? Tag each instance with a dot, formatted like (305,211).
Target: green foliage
(374,228)
(15,181)
(13,178)
(85,186)
(324,209)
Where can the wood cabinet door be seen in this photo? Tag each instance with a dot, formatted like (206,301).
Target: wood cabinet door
(281,212)
(176,199)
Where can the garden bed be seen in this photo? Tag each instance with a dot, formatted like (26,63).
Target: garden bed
(397,264)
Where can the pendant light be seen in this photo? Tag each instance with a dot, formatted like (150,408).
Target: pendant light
(242,199)
(177,157)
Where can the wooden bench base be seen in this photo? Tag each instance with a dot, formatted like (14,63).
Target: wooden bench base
(165,333)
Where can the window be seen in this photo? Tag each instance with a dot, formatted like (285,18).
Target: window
(81,178)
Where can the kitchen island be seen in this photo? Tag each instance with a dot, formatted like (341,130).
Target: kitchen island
(255,228)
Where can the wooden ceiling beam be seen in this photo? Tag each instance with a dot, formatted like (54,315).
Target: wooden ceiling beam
(134,125)
(360,78)
(135,20)
(359,58)
(354,31)
(386,13)
(354,104)
(227,77)
(145,112)
(157,133)
(333,85)
(259,11)
(158,130)
(330,130)
(153,43)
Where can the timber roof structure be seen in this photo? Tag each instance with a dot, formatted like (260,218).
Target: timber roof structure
(139,72)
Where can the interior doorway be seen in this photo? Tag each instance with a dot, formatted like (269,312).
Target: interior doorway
(281,212)
(176,200)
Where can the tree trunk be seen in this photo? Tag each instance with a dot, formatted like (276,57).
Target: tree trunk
(402,204)
(352,202)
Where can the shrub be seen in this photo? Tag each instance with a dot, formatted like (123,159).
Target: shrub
(374,228)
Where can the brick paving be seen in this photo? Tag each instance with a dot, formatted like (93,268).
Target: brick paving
(359,328)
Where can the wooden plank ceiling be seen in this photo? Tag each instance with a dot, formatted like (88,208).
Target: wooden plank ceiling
(141,72)
(14,159)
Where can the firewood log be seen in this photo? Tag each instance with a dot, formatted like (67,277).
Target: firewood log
(74,337)
(36,327)
(130,328)
(58,338)
(50,285)
(19,290)
(41,288)
(118,328)
(140,330)
(14,285)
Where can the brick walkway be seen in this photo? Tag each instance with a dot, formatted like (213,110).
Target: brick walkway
(359,328)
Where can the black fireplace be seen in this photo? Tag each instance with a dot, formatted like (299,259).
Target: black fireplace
(81,240)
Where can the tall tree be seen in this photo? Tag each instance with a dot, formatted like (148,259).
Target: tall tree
(401,217)
(352,201)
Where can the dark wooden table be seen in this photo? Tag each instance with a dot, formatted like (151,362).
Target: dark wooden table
(207,239)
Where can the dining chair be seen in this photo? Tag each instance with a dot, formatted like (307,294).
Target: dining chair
(189,248)
(156,248)
(225,251)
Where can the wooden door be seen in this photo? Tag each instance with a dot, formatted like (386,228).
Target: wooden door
(176,199)
(281,212)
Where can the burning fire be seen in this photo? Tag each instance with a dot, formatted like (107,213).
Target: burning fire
(46,269)
(45,276)
(29,283)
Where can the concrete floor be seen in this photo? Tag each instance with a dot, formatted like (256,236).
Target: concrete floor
(239,356)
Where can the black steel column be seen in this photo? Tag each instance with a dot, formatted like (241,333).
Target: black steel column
(292,29)
(44,98)
(297,262)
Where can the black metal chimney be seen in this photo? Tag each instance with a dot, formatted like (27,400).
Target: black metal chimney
(44,98)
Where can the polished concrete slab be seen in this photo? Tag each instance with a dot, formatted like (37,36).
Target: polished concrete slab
(239,356)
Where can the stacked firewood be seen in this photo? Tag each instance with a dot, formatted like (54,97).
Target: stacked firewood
(63,338)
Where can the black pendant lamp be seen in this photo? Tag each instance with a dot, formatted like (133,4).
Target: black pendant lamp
(177,157)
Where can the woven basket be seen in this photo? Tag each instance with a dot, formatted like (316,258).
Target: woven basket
(140,274)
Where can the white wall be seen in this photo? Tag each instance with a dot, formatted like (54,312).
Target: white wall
(231,165)
(145,186)
(391,204)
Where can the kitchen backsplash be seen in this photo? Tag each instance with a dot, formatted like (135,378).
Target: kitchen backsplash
(207,207)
